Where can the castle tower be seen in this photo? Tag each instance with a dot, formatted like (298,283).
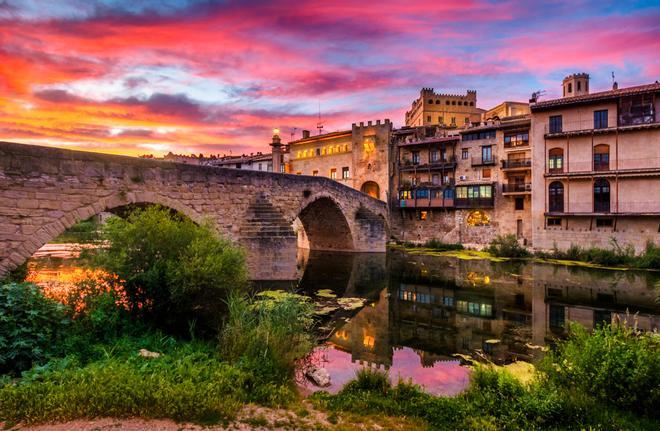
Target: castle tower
(576,84)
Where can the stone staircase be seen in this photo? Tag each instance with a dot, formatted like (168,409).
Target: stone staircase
(263,220)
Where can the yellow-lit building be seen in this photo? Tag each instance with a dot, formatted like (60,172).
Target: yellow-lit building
(448,110)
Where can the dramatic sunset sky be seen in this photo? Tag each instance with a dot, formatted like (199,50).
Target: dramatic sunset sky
(150,76)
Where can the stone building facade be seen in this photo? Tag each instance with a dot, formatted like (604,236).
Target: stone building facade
(596,166)
(463,186)
(451,110)
(358,158)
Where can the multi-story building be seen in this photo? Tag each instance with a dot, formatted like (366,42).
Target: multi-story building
(449,110)
(358,158)
(464,186)
(596,166)
(252,162)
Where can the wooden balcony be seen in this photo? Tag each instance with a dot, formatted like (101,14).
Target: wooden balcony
(474,202)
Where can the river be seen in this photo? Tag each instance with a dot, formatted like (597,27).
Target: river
(423,311)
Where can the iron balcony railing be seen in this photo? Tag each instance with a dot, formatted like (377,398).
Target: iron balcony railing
(483,161)
(516,163)
(516,187)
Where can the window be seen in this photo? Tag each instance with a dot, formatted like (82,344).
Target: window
(555,124)
(430,101)
(434,156)
(437,102)
(556,160)
(315,173)
(516,140)
(345,173)
(467,120)
(602,157)
(318,151)
(453,102)
(448,301)
(415,157)
(405,194)
(474,192)
(447,102)
(465,153)
(556,197)
(601,196)
(557,318)
(570,87)
(333,173)
(554,221)
(602,317)
(441,120)
(435,179)
(487,154)
(460,103)
(520,204)
(428,118)
(260,166)
(600,119)
(490,134)
(636,109)
(579,85)
(423,215)
(604,222)
(453,121)
(299,173)
(238,166)
(485,174)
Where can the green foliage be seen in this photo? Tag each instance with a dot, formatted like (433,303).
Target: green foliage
(615,364)
(614,256)
(176,274)
(85,231)
(367,379)
(268,336)
(29,325)
(507,246)
(494,401)
(16,275)
(186,383)
(442,246)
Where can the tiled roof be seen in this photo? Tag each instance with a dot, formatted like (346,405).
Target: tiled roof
(595,97)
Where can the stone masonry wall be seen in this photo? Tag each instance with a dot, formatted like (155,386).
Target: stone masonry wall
(44,191)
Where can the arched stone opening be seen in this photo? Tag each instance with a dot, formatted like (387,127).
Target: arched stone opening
(55,226)
(325,226)
(371,188)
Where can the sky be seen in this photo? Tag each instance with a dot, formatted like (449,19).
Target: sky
(216,77)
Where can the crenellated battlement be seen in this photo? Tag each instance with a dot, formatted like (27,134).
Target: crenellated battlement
(378,123)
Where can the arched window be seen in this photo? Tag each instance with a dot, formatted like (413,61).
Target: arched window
(371,188)
(556,197)
(570,87)
(430,101)
(556,160)
(601,196)
(602,157)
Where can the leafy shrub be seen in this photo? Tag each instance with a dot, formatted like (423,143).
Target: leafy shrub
(442,246)
(615,364)
(269,335)
(84,231)
(188,383)
(16,275)
(176,274)
(507,246)
(650,259)
(29,324)
(367,379)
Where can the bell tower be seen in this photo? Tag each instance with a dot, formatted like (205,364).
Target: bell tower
(576,84)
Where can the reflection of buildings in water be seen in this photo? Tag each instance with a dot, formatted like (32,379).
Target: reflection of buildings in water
(366,335)
(443,306)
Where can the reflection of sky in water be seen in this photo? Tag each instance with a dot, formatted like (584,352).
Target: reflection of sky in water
(443,378)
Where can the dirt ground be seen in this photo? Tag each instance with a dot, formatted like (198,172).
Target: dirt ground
(305,417)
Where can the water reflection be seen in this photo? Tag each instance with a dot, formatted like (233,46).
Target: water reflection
(423,310)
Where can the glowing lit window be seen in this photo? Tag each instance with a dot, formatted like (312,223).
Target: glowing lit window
(478,218)
(462,306)
(423,215)
(369,341)
(333,173)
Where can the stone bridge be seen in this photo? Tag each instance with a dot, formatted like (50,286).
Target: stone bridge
(44,191)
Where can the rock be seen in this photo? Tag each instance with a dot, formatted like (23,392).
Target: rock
(147,354)
(319,376)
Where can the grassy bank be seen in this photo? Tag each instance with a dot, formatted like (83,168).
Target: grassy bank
(506,247)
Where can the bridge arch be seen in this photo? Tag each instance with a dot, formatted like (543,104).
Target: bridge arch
(325,224)
(44,191)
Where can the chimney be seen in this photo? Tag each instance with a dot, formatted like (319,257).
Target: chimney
(305,134)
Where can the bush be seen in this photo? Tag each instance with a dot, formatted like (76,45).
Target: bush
(615,364)
(188,382)
(442,246)
(268,336)
(29,325)
(507,246)
(650,259)
(85,231)
(176,274)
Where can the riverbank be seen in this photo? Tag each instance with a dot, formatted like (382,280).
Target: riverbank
(473,254)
